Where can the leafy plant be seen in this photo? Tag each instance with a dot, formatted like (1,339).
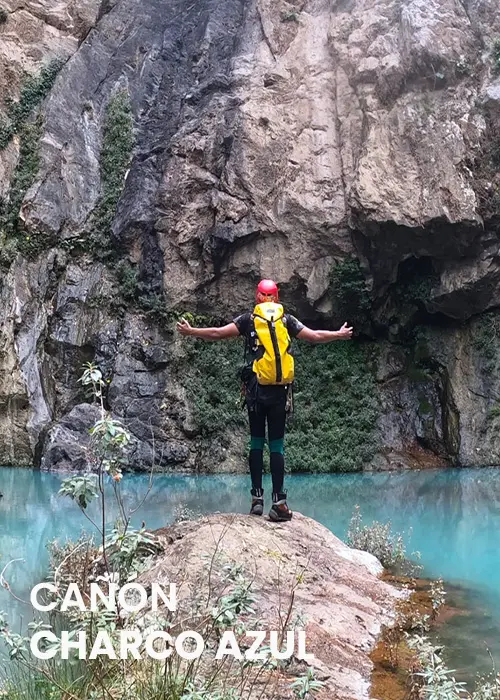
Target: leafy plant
(494,412)
(8,249)
(378,539)
(34,90)
(349,292)
(238,602)
(210,376)
(427,675)
(128,277)
(24,176)
(487,688)
(130,551)
(462,65)
(416,281)
(485,336)
(116,152)
(81,489)
(438,594)
(124,549)
(438,681)
(336,408)
(306,686)
(19,121)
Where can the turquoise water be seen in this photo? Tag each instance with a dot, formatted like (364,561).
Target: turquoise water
(453,515)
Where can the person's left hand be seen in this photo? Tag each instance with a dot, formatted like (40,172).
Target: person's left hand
(184,328)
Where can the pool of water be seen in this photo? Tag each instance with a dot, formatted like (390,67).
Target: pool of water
(452,517)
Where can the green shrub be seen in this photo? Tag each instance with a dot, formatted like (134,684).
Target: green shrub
(8,251)
(462,65)
(336,408)
(349,292)
(25,172)
(305,687)
(30,684)
(485,335)
(377,539)
(416,281)
(133,294)
(437,682)
(154,305)
(116,152)
(128,277)
(14,237)
(487,688)
(19,121)
(210,376)
(34,90)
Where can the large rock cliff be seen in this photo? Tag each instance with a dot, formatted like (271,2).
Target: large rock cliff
(163,157)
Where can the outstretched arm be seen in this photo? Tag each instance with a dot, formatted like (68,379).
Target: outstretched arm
(344,333)
(229,331)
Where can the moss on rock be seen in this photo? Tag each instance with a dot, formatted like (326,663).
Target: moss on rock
(34,90)
(116,152)
(14,237)
(21,122)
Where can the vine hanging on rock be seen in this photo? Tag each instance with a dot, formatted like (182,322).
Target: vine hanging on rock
(116,152)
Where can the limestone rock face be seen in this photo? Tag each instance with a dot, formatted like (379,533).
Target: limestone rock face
(342,600)
(34,33)
(272,139)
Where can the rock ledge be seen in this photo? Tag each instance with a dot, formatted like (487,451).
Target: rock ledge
(340,598)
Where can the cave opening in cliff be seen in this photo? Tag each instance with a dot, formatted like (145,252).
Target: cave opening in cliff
(407,301)
(416,276)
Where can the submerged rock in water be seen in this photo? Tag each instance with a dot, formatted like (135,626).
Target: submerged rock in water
(341,602)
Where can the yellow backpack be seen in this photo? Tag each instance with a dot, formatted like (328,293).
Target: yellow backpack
(274,363)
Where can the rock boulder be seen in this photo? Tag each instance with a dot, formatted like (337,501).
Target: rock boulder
(336,590)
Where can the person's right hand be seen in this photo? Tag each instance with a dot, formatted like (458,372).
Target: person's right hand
(345,333)
(184,328)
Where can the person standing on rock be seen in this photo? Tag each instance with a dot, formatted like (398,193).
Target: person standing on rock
(267,377)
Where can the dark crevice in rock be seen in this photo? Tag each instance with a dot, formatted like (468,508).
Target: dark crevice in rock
(450,417)
(38,452)
(264,33)
(105,8)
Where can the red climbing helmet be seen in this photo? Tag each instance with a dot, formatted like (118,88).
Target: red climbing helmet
(267,288)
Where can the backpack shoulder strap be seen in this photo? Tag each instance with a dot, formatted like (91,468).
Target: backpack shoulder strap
(247,350)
